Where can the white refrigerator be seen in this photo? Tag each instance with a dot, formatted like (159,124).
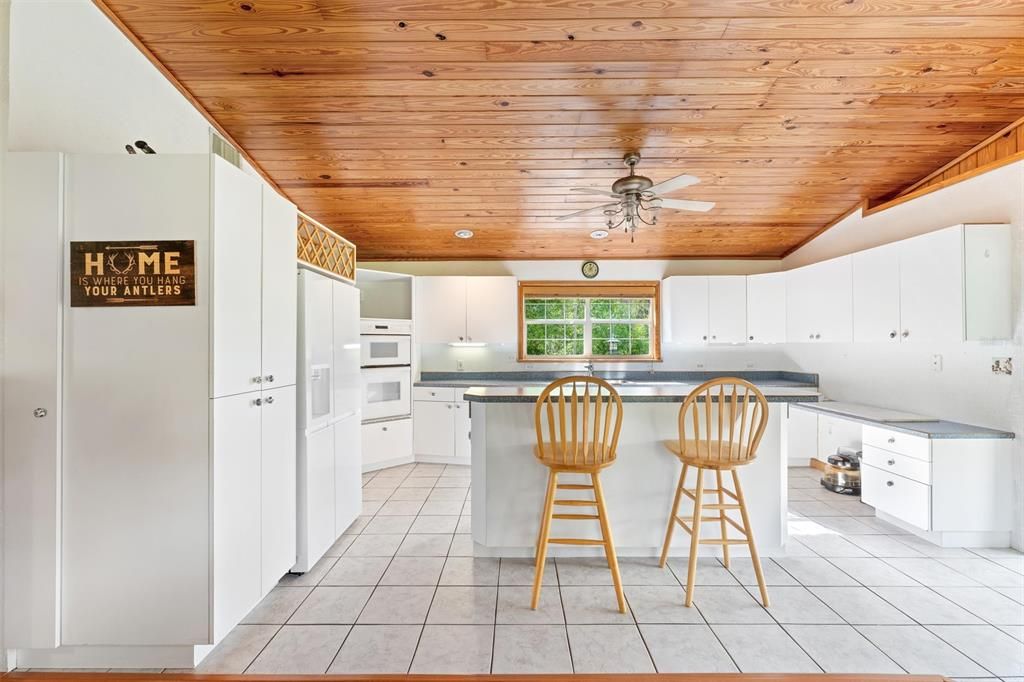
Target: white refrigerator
(329,399)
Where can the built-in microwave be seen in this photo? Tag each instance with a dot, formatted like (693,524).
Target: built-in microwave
(385,351)
(386,392)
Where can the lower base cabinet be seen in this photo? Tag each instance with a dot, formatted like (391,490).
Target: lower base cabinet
(253,500)
(441,425)
(387,443)
(957,490)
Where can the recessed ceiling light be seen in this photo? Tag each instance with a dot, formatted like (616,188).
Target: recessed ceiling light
(599,234)
(463,234)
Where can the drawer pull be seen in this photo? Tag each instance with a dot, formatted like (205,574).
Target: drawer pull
(892,440)
(889,483)
(891,462)
(384,428)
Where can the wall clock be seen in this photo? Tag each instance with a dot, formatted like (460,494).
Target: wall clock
(590,269)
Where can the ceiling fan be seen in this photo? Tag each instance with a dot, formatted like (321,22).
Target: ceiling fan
(635,196)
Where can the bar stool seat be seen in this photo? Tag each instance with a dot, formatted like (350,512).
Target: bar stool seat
(704,454)
(719,431)
(578,420)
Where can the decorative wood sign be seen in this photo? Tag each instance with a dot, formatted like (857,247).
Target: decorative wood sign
(135,273)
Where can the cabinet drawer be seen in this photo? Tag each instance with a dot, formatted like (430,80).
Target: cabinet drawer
(900,443)
(386,441)
(901,497)
(915,469)
(439,394)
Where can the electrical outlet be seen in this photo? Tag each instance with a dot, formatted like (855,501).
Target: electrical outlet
(750,365)
(936,363)
(1002,365)
(458,366)
(700,365)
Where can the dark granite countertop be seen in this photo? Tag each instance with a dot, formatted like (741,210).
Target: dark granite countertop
(762,378)
(927,428)
(636,393)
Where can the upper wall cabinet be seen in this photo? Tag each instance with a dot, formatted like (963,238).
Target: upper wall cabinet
(876,294)
(819,302)
(947,285)
(685,308)
(466,309)
(766,308)
(279,290)
(727,309)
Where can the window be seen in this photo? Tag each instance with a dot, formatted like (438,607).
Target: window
(588,320)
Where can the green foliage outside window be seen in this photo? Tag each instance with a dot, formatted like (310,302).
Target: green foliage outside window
(586,327)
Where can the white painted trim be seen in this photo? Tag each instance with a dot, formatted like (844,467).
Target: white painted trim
(384,464)
(436,459)
(951,539)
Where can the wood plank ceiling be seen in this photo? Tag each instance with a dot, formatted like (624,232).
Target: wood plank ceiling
(397,122)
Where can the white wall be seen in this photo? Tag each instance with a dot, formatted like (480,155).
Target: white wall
(77,84)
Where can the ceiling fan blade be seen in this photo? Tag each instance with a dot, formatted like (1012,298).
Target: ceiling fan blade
(686,205)
(588,211)
(672,184)
(589,190)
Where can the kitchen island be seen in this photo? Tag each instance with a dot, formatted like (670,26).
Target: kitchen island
(508,483)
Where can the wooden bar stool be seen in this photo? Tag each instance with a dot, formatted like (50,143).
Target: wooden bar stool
(726,442)
(581,418)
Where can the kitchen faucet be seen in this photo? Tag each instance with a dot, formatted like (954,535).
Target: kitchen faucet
(590,368)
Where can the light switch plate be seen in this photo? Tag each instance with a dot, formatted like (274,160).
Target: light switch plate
(458,366)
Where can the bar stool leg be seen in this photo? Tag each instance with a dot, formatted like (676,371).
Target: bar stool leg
(672,517)
(749,532)
(698,510)
(721,515)
(609,544)
(542,540)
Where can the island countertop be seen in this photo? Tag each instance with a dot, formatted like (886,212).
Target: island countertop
(925,426)
(670,392)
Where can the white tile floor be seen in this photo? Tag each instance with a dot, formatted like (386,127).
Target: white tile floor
(400,593)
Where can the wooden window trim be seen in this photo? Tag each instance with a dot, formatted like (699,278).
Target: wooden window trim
(559,289)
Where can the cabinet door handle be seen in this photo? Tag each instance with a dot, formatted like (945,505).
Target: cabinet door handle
(257,380)
(270,399)
(269,378)
(384,428)
(750,338)
(906,333)
(817,336)
(891,462)
(258,402)
(713,337)
(458,407)
(890,483)
(39,412)
(892,334)
(704,338)
(461,339)
(811,336)
(892,439)
(449,406)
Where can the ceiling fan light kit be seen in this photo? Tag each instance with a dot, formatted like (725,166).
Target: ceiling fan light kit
(463,234)
(639,200)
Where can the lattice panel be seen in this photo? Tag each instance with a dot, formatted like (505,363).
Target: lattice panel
(320,247)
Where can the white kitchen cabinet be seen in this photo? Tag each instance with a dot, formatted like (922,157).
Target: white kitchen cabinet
(348,479)
(835,433)
(440,309)
(236,282)
(462,431)
(685,308)
(931,287)
(433,429)
(440,425)
(277,484)
(953,491)
(491,306)
(819,302)
(955,284)
(237,562)
(387,443)
(32,288)
(766,308)
(876,294)
(466,309)
(278,289)
(727,309)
